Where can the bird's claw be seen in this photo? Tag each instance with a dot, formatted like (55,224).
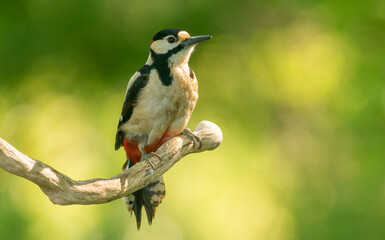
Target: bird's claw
(193,137)
(146,156)
(152,166)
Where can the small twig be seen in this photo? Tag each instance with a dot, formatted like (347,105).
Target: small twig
(64,191)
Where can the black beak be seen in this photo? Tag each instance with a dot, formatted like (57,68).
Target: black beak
(194,40)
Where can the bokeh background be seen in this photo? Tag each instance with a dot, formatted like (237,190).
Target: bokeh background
(298,88)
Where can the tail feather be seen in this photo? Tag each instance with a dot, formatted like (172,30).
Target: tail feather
(150,210)
(138,208)
(150,197)
(153,195)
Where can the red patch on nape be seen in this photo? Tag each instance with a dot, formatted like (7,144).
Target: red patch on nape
(151,42)
(132,151)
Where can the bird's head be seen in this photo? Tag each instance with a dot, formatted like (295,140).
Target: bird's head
(174,45)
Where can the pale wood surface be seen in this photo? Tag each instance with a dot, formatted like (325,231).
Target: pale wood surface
(64,191)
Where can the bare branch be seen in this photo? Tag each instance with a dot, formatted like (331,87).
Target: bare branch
(64,191)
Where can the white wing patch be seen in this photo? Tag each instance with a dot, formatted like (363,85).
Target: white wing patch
(129,200)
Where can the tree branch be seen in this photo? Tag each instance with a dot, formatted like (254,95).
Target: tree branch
(64,191)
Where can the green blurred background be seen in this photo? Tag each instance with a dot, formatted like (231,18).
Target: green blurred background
(297,87)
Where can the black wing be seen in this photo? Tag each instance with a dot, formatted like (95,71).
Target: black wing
(129,102)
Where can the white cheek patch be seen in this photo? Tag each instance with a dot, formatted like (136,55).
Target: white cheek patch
(162,46)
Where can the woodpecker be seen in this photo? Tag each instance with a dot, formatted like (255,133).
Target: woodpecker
(159,101)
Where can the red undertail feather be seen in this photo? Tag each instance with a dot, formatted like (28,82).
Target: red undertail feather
(132,151)
(152,195)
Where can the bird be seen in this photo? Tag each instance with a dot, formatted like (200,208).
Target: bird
(158,104)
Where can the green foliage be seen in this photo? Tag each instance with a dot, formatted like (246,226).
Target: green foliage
(297,88)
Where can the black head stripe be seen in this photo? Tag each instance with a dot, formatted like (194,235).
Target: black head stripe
(161,60)
(166,32)
(161,64)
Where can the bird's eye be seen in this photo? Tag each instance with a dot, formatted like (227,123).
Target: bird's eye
(171,39)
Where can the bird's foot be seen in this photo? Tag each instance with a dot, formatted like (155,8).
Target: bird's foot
(193,137)
(146,156)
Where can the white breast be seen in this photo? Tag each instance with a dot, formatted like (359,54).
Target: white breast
(160,107)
